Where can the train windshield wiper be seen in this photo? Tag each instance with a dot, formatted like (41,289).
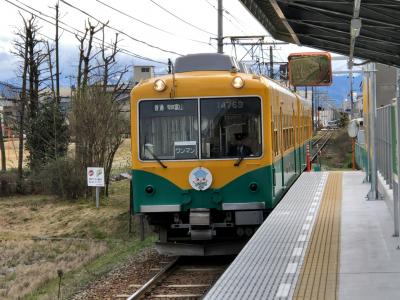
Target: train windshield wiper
(156,158)
(237,163)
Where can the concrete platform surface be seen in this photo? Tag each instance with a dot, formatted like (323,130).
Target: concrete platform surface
(268,266)
(369,259)
(284,260)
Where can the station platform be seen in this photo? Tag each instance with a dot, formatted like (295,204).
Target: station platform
(324,240)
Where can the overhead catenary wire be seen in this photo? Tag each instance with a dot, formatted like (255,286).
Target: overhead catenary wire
(127,52)
(182,20)
(226,13)
(118,30)
(150,25)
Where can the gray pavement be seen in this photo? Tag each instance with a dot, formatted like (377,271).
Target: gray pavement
(369,260)
(268,266)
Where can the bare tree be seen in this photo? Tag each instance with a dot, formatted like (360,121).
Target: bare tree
(85,53)
(111,73)
(21,50)
(96,119)
(98,125)
(112,82)
(36,72)
(81,40)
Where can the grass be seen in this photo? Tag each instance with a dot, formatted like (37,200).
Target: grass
(31,263)
(40,235)
(337,153)
(72,281)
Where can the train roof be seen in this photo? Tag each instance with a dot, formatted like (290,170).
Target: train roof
(206,62)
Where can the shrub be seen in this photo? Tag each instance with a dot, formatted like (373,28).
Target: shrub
(61,177)
(9,182)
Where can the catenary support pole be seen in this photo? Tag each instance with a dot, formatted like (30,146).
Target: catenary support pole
(271,62)
(220,29)
(351,95)
(373,194)
(353,153)
(396,197)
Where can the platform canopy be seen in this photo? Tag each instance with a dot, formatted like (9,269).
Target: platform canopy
(366,29)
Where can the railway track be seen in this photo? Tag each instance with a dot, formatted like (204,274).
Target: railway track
(182,278)
(320,143)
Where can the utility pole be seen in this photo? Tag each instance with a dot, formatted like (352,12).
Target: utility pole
(317,112)
(373,193)
(313,108)
(57,59)
(271,63)
(396,193)
(220,34)
(351,95)
(353,139)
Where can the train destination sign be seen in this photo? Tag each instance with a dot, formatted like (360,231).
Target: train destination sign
(185,150)
(168,107)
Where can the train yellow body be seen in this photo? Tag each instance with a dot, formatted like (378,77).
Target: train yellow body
(197,122)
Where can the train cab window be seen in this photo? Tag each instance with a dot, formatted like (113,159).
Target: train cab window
(168,129)
(230,127)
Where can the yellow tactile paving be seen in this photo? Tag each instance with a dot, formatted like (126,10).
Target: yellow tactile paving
(318,277)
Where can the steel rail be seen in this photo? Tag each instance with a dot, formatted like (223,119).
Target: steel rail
(321,137)
(323,145)
(140,292)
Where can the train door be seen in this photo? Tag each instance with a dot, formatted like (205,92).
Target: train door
(294,126)
(274,147)
(281,147)
(299,139)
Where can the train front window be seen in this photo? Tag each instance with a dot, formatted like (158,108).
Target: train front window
(230,127)
(168,129)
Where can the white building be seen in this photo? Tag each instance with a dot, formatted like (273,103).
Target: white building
(142,72)
(326,115)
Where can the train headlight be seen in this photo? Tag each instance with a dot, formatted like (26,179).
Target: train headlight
(238,82)
(159,85)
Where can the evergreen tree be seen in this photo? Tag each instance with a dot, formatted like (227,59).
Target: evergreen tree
(47,136)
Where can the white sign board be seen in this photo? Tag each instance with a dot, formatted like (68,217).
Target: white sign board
(352,128)
(95,176)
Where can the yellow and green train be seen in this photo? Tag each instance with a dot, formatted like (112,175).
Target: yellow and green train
(213,151)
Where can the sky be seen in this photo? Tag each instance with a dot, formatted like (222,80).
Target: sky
(173,27)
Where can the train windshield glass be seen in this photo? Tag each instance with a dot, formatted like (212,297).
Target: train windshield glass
(230,127)
(168,129)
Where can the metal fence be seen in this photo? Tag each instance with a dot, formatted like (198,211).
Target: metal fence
(361,152)
(384,144)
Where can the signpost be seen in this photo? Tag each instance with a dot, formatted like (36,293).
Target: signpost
(95,178)
(352,130)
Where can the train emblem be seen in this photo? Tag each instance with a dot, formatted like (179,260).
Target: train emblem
(200,178)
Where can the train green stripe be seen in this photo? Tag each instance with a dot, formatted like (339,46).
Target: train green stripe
(273,181)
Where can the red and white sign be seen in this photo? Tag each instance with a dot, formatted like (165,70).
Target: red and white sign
(95,176)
